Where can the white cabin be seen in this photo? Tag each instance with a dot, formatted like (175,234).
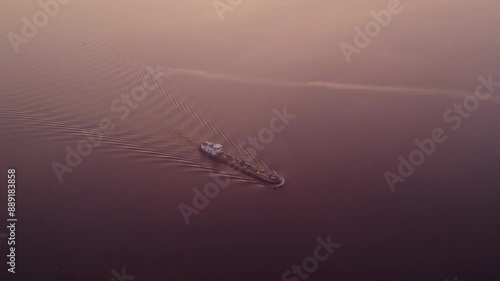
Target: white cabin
(211,148)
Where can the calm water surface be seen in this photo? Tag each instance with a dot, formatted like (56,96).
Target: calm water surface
(222,80)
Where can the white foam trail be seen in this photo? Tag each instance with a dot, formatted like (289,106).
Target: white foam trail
(322,84)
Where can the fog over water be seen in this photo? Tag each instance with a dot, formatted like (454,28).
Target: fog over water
(228,81)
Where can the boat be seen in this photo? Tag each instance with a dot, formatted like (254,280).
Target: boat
(269,177)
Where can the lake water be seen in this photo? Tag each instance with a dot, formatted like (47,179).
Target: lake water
(231,81)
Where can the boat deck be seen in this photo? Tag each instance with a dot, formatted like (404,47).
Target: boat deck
(269,177)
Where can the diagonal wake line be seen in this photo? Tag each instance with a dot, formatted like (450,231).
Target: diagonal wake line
(321,84)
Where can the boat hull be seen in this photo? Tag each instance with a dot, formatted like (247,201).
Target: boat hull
(248,169)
